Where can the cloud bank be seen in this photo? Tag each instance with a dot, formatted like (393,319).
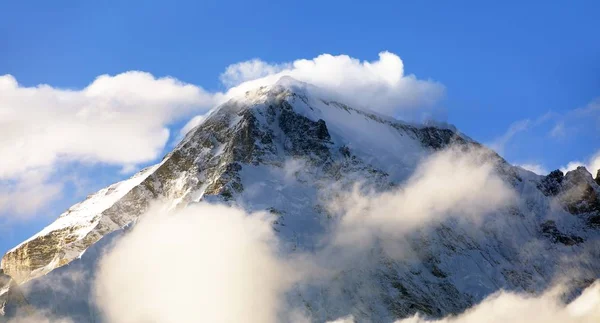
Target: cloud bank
(204,263)
(116,120)
(380,85)
(425,199)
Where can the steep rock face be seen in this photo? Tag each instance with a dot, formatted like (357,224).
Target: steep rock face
(577,191)
(12,300)
(280,149)
(580,192)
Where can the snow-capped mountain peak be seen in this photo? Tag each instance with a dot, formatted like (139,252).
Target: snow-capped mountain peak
(274,149)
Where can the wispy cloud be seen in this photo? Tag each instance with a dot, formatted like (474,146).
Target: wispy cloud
(516,127)
(534,167)
(424,199)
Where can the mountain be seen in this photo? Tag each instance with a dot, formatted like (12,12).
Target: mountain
(277,148)
(12,300)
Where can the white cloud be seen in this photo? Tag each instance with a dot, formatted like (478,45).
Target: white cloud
(205,263)
(514,129)
(27,193)
(592,165)
(380,85)
(510,307)
(253,69)
(424,199)
(534,167)
(116,120)
(519,308)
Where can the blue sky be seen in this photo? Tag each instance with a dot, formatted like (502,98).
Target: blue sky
(504,65)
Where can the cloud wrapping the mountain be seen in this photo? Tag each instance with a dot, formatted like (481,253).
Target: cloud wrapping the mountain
(507,307)
(204,263)
(592,165)
(519,308)
(380,85)
(450,183)
(534,167)
(238,73)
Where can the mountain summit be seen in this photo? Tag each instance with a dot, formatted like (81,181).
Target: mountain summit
(276,149)
(265,127)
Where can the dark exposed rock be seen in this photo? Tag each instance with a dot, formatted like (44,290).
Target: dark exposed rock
(304,136)
(580,192)
(594,221)
(345,151)
(437,138)
(551,184)
(550,231)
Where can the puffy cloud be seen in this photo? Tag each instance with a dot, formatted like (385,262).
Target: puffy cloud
(380,85)
(203,263)
(253,69)
(117,119)
(424,199)
(30,191)
(519,308)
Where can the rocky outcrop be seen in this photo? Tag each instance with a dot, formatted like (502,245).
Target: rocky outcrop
(550,231)
(12,300)
(552,183)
